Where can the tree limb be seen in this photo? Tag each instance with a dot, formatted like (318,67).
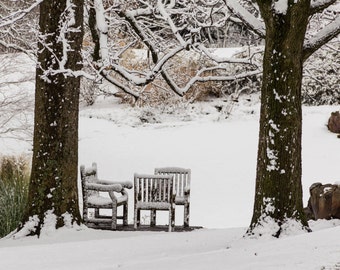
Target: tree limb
(161,14)
(16,47)
(247,18)
(321,38)
(319,5)
(8,20)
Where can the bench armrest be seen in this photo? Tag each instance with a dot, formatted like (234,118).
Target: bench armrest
(103,188)
(124,184)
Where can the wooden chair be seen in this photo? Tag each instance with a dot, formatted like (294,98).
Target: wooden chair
(182,178)
(93,198)
(154,192)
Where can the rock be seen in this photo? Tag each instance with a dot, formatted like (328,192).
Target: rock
(324,201)
(334,122)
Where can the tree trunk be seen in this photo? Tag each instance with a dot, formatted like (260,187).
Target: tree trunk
(278,203)
(53,192)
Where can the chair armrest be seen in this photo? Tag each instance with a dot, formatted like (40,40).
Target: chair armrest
(124,184)
(103,188)
(187,191)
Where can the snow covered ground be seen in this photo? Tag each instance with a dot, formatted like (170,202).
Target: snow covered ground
(197,250)
(222,155)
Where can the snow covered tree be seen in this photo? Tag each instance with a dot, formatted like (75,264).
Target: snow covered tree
(53,193)
(15,105)
(278,207)
(18,21)
(164,30)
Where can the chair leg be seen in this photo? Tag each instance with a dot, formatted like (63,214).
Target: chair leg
(172,218)
(186,214)
(153,218)
(125,215)
(114,217)
(85,218)
(96,212)
(137,218)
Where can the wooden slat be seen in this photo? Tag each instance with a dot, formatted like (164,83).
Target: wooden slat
(152,189)
(165,198)
(144,189)
(180,179)
(149,191)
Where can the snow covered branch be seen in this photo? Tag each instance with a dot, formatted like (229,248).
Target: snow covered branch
(320,5)
(102,29)
(246,17)
(220,59)
(322,37)
(15,106)
(18,26)
(199,78)
(162,30)
(16,47)
(171,23)
(18,15)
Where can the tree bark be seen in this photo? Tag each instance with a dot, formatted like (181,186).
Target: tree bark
(278,195)
(53,184)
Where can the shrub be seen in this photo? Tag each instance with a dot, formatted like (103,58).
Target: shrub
(181,69)
(14,179)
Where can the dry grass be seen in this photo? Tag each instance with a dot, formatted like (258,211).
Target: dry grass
(14,181)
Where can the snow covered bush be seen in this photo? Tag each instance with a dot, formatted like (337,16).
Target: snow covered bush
(14,179)
(183,68)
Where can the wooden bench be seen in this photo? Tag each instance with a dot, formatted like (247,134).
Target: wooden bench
(93,198)
(154,192)
(182,178)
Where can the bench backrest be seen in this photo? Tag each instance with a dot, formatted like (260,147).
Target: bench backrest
(88,175)
(153,188)
(182,178)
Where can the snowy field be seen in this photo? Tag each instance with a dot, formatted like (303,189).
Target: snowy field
(222,156)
